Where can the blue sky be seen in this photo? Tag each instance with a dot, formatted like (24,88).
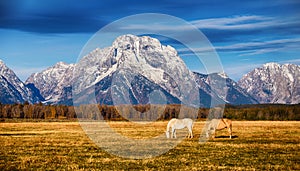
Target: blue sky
(37,34)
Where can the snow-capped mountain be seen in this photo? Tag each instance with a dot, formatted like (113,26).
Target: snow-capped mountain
(273,83)
(140,70)
(52,81)
(220,85)
(13,90)
(132,68)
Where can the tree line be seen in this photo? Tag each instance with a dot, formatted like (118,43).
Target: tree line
(148,112)
(263,112)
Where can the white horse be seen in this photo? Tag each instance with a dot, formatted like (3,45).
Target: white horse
(219,124)
(179,124)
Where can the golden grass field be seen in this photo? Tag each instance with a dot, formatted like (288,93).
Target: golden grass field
(257,145)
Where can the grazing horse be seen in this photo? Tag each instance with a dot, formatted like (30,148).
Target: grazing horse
(179,124)
(219,124)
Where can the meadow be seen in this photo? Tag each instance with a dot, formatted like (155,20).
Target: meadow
(257,145)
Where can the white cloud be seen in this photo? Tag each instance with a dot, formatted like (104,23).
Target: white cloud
(237,71)
(294,61)
(252,48)
(244,22)
(235,22)
(258,52)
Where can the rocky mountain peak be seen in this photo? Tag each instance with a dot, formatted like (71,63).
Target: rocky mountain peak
(4,70)
(52,80)
(145,66)
(141,65)
(13,90)
(271,65)
(125,41)
(140,47)
(223,75)
(132,56)
(273,83)
(61,65)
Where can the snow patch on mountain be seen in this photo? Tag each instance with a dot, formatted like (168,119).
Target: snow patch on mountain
(273,83)
(13,90)
(135,55)
(52,80)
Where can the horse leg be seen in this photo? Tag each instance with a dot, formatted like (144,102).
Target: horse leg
(190,133)
(188,136)
(207,133)
(230,131)
(214,134)
(173,133)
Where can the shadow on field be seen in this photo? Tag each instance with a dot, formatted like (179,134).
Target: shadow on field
(223,136)
(20,134)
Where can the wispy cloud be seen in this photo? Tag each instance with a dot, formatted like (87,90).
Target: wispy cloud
(294,61)
(235,22)
(252,48)
(237,71)
(260,51)
(243,22)
(226,30)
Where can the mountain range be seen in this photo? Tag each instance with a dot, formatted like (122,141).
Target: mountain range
(273,83)
(13,90)
(140,70)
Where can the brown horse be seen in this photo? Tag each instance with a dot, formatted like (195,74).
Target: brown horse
(219,124)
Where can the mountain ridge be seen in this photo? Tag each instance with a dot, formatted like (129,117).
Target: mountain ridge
(52,80)
(273,83)
(13,90)
(132,60)
(157,63)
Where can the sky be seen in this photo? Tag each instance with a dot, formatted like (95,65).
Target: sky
(35,35)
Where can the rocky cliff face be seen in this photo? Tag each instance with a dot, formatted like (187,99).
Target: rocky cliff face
(273,83)
(52,81)
(135,67)
(220,85)
(140,70)
(135,70)
(13,90)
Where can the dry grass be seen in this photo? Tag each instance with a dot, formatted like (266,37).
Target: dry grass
(257,145)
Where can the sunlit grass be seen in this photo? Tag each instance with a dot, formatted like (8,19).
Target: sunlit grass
(257,145)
